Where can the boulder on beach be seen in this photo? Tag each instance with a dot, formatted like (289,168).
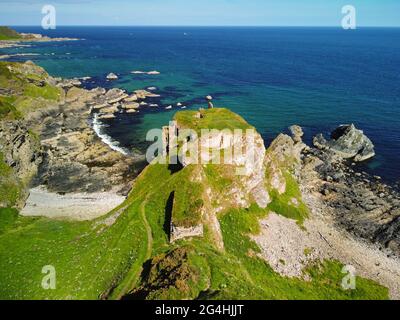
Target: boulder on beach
(112,76)
(347,142)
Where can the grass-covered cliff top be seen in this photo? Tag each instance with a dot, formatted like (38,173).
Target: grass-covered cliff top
(217,118)
(7,33)
(24,87)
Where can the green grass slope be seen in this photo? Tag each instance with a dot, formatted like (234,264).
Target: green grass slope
(127,254)
(23,88)
(7,33)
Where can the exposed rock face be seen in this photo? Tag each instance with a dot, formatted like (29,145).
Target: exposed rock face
(237,157)
(53,145)
(347,142)
(245,153)
(182,232)
(76,160)
(22,152)
(170,271)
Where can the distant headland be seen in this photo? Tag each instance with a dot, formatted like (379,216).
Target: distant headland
(11,38)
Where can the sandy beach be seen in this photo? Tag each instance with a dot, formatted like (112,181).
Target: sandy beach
(76,206)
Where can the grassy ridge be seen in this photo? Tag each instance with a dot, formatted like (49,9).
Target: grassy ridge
(7,33)
(217,118)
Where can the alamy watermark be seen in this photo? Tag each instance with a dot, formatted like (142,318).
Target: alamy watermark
(49,280)
(349,21)
(49,21)
(208,146)
(349,281)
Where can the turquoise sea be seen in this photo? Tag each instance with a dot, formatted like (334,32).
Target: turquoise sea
(274,77)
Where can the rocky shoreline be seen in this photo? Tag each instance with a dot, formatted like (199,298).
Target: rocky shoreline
(360,204)
(56,148)
(354,217)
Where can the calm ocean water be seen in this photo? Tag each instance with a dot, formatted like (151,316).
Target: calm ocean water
(274,77)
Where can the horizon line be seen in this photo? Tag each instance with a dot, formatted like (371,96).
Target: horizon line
(209,26)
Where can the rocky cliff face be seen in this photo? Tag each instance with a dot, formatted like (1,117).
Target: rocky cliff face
(220,156)
(46,138)
(21,152)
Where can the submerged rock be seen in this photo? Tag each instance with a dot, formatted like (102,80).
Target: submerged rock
(347,142)
(112,76)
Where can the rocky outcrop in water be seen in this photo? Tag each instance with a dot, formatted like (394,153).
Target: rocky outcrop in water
(348,142)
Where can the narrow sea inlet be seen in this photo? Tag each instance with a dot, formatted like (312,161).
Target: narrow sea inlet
(318,78)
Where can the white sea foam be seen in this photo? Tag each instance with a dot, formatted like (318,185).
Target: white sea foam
(97,126)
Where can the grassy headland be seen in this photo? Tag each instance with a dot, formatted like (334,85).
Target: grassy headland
(127,252)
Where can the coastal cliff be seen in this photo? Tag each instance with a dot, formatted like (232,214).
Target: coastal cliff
(46,138)
(283,228)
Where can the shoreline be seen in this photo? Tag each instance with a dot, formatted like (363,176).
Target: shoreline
(109,141)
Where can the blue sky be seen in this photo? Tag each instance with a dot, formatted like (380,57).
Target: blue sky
(202,12)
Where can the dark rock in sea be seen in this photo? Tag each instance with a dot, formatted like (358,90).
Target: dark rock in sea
(347,142)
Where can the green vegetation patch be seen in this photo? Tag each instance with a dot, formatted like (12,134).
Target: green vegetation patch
(188,198)
(8,109)
(217,118)
(7,33)
(289,204)
(25,89)
(47,91)
(10,188)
